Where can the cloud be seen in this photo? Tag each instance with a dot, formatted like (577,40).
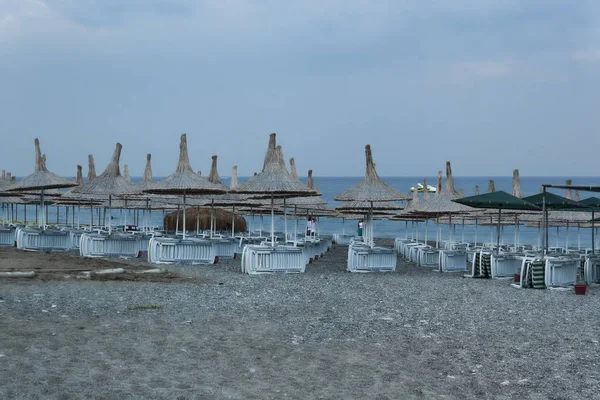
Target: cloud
(587,55)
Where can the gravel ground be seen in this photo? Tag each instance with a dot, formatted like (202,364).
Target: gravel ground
(323,334)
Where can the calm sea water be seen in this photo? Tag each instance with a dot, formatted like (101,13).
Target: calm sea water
(332,186)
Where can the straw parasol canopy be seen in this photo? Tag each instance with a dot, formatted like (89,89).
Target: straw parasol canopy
(41,178)
(360,206)
(91,168)
(184,180)
(109,183)
(442,204)
(372,188)
(274,181)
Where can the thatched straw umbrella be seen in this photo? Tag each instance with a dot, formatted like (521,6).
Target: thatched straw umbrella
(442,203)
(110,183)
(371,189)
(491,186)
(311,205)
(273,182)
(91,168)
(184,181)
(41,179)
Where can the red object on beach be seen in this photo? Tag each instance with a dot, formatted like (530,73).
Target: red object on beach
(580,288)
(517,278)
(216,259)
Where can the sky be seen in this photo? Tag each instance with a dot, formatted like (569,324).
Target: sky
(491,85)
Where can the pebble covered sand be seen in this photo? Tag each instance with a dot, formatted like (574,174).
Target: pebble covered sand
(324,334)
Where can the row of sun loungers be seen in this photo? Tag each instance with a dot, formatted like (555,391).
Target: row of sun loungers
(559,268)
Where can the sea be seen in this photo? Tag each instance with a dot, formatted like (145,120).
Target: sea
(332,186)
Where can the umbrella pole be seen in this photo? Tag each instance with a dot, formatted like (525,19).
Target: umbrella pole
(406,229)
(109,214)
(450,228)
(284,222)
(177,221)
(343,226)
(498,230)
(567,237)
(42,208)
(184,227)
(198,221)
(272,221)
(296,225)
(545,215)
(463,231)
(212,218)
(25,215)
(233,222)
(426,221)
(593,245)
(417,231)
(557,232)
(578,236)
(476,222)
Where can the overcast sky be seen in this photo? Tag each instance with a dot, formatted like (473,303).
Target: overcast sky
(491,85)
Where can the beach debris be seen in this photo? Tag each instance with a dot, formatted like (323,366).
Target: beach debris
(522,381)
(505,383)
(53,306)
(109,271)
(151,271)
(17,274)
(387,318)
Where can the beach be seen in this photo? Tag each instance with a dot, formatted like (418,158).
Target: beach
(210,331)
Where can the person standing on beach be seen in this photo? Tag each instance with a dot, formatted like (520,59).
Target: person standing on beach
(308,226)
(360,227)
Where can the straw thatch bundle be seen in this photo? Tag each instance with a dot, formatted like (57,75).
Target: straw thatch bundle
(293,172)
(213,175)
(425,192)
(491,186)
(41,178)
(126,172)
(91,168)
(274,180)
(372,188)
(569,193)
(223,220)
(184,180)
(147,180)
(476,190)
(516,185)
(577,196)
(234,177)
(110,182)
(79,177)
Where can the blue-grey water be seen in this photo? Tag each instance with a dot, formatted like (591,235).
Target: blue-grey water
(332,186)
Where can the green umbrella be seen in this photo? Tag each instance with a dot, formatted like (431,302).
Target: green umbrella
(592,204)
(499,200)
(550,201)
